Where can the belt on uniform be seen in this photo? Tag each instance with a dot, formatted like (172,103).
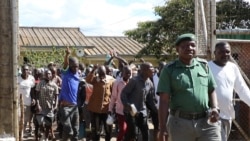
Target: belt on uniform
(188,115)
(66,104)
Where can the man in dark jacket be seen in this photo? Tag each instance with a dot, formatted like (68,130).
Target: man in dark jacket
(135,96)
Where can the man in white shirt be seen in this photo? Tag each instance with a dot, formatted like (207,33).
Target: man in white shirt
(228,78)
(25,83)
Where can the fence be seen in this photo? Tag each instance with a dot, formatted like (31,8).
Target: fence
(240,126)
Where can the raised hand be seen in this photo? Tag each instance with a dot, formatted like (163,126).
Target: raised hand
(67,51)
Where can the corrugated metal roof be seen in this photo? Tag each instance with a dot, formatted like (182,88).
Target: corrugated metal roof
(105,44)
(46,37)
(52,36)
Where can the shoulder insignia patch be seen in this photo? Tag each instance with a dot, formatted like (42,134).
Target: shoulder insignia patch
(204,63)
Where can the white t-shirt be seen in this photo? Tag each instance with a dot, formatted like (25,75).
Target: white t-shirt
(24,87)
(229,78)
(156,81)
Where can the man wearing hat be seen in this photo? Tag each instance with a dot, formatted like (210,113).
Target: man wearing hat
(187,92)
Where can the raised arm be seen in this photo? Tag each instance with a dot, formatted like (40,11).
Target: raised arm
(109,60)
(120,59)
(66,58)
(90,77)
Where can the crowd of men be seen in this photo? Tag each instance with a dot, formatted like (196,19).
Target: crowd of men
(180,97)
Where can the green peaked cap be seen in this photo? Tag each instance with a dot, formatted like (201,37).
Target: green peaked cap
(187,36)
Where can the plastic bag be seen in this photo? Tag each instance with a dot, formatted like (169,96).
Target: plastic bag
(110,120)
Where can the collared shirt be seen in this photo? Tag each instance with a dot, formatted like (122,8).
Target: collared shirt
(188,86)
(100,98)
(47,93)
(69,87)
(136,92)
(228,79)
(119,84)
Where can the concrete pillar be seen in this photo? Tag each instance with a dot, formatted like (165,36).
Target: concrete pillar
(8,68)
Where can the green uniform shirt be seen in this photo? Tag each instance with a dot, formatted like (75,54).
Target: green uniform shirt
(187,86)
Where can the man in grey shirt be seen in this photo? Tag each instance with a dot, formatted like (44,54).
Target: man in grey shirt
(136,95)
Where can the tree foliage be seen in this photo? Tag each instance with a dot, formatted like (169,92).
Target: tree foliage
(233,14)
(177,17)
(39,59)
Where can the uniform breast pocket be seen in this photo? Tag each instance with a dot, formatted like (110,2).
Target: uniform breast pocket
(203,78)
(181,81)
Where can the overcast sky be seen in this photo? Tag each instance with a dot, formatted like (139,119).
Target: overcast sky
(94,17)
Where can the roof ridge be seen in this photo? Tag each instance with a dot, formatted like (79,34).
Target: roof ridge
(106,36)
(44,27)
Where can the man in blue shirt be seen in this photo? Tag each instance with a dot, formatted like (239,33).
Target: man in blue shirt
(69,114)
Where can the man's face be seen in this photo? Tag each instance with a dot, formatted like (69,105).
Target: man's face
(25,70)
(222,54)
(74,67)
(186,49)
(150,71)
(48,75)
(53,71)
(126,74)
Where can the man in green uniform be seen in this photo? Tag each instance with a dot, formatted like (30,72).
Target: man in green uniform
(186,89)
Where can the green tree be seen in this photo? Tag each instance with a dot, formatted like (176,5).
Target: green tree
(233,14)
(177,17)
(37,58)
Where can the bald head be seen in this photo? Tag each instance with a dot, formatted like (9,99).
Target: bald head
(126,68)
(73,64)
(102,71)
(145,66)
(220,45)
(73,60)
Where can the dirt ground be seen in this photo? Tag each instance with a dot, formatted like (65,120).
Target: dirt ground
(31,137)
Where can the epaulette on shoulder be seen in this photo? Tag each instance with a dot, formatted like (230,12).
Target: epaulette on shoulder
(204,63)
(202,60)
